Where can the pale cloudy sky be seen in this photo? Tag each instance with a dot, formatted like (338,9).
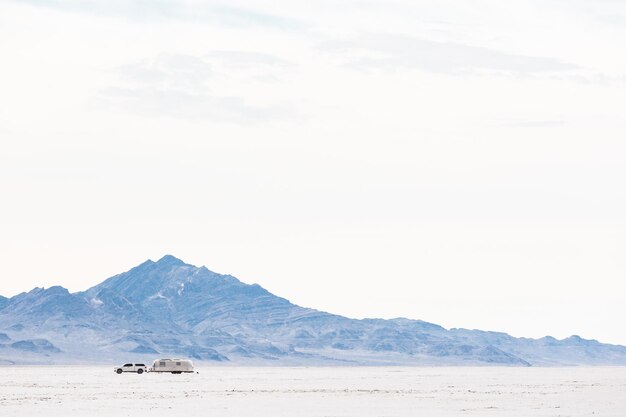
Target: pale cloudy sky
(457,162)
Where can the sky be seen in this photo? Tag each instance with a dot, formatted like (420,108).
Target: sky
(457,162)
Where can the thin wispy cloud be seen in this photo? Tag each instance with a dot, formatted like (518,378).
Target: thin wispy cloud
(180,104)
(393,52)
(251,66)
(168,71)
(605,11)
(245,60)
(211,11)
(534,123)
(177,85)
(235,16)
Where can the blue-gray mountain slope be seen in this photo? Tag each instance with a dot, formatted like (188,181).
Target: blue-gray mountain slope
(171,308)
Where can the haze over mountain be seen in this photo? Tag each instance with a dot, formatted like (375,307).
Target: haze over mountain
(170,308)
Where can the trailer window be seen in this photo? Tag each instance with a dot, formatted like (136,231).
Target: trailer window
(177,363)
(161,363)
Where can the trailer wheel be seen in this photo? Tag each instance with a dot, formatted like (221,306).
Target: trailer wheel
(140,371)
(119,371)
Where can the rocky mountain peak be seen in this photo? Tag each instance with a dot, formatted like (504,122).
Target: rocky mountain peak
(169,260)
(169,307)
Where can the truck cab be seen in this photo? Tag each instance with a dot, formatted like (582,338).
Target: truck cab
(138,368)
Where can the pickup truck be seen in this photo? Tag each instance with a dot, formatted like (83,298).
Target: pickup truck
(139,368)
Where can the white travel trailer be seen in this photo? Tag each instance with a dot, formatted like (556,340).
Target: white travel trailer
(175,366)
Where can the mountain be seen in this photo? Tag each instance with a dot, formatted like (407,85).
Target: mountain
(170,308)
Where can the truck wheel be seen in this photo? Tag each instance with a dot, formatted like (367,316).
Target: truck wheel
(140,371)
(119,371)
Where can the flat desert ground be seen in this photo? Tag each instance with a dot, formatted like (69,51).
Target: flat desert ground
(317,391)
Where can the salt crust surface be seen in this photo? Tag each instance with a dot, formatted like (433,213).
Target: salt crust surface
(317,391)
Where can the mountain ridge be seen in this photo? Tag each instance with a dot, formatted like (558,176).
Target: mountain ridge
(169,307)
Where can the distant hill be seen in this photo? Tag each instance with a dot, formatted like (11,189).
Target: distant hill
(170,308)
